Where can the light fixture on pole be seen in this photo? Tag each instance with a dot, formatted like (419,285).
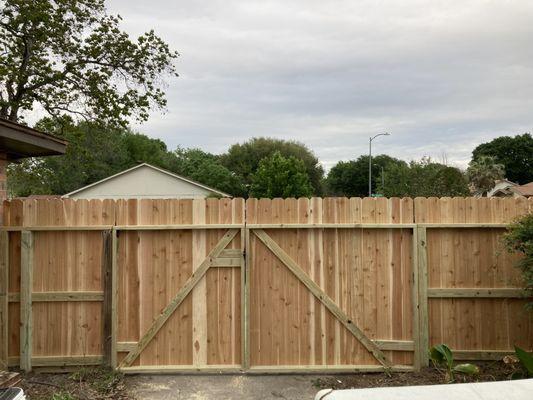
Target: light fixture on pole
(370,161)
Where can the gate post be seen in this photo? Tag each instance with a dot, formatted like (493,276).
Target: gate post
(422,256)
(245,297)
(4,293)
(107,315)
(416,301)
(26,286)
(114,296)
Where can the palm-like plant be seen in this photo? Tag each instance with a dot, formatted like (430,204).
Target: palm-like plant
(483,172)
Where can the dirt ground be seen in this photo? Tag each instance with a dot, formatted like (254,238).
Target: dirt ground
(83,384)
(489,371)
(98,383)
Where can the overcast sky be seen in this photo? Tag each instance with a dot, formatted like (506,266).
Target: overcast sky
(441,76)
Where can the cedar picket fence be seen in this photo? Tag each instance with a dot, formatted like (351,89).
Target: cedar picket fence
(294,285)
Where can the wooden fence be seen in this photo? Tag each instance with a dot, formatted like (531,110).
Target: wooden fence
(301,285)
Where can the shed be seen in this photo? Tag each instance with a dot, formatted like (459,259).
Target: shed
(145,181)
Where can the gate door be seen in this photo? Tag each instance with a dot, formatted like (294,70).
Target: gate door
(326,292)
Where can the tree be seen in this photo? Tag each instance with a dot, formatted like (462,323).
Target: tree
(207,169)
(70,57)
(350,178)
(424,178)
(243,159)
(483,172)
(519,239)
(140,148)
(514,153)
(279,176)
(93,153)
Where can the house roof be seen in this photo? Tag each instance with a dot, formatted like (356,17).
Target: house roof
(176,176)
(501,186)
(524,190)
(504,182)
(20,141)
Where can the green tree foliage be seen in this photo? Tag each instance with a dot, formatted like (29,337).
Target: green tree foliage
(350,178)
(206,168)
(519,239)
(515,153)
(95,152)
(482,173)
(141,148)
(71,57)
(243,159)
(424,178)
(279,176)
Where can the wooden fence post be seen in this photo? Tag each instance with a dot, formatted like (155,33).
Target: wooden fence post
(422,256)
(107,315)
(26,283)
(416,302)
(4,289)
(114,296)
(245,269)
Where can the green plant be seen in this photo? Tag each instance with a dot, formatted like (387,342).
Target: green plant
(279,176)
(526,364)
(82,374)
(519,239)
(62,396)
(108,380)
(442,356)
(103,380)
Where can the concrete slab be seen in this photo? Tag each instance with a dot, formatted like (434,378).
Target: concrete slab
(508,390)
(221,387)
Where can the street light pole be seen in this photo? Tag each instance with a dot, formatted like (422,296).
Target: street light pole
(370,161)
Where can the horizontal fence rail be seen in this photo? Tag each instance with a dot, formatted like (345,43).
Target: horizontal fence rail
(263,286)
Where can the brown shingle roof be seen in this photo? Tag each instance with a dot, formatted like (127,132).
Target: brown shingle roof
(524,190)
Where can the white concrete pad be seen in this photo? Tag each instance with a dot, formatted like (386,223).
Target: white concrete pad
(508,390)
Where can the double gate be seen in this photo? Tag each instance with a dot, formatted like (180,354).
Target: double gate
(277,292)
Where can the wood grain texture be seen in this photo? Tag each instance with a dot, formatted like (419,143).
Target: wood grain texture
(253,311)
(154,265)
(108,314)
(323,297)
(290,326)
(26,306)
(4,299)
(473,286)
(193,282)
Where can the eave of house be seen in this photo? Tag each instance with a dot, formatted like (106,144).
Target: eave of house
(18,141)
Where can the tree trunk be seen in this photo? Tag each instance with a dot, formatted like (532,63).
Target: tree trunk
(13,115)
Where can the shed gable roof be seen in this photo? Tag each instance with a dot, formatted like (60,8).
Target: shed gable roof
(157,169)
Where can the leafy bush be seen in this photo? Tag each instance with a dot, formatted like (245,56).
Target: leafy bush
(519,239)
(442,356)
(526,364)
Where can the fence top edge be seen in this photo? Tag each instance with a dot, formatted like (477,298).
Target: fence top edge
(225,199)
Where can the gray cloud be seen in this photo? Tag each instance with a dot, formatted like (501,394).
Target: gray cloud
(441,76)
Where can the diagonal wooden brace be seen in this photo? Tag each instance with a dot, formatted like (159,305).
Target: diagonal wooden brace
(322,296)
(178,299)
